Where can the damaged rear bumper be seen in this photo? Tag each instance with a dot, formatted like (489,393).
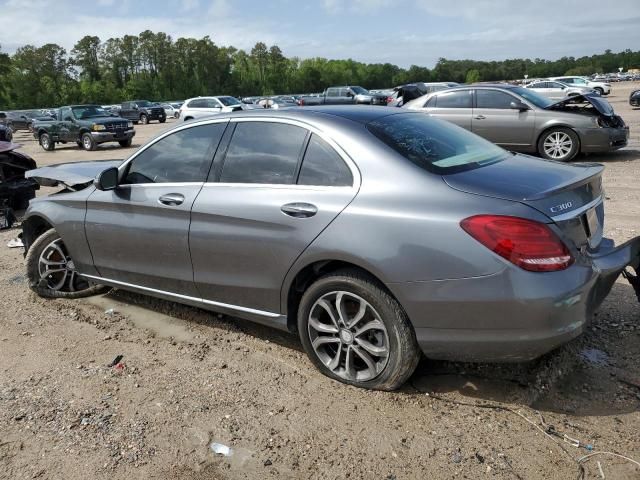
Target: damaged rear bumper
(513,315)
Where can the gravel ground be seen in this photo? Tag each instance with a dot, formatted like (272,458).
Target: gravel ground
(189,378)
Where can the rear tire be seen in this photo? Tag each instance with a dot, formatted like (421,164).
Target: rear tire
(88,143)
(46,142)
(369,344)
(63,280)
(559,144)
(163,119)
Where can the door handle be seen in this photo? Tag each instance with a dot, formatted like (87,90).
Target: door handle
(479,117)
(171,199)
(299,210)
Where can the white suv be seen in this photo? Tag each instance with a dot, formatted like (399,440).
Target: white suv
(600,87)
(200,107)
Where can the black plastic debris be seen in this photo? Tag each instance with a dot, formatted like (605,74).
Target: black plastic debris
(116,361)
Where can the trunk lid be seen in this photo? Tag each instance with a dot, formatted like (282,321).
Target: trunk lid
(569,194)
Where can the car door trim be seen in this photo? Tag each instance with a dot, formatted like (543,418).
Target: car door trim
(252,311)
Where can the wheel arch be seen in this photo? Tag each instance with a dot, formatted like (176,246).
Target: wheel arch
(32,227)
(306,275)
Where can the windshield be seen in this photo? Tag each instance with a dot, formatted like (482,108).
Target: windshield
(435,145)
(538,100)
(360,91)
(228,101)
(89,111)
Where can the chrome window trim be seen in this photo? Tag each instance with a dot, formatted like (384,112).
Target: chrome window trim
(252,311)
(355,172)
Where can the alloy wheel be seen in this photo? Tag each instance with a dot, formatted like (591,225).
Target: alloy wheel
(558,145)
(86,142)
(57,270)
(348,336)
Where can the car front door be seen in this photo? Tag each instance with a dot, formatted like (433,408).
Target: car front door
(261,209)
(126,111)
(453,106)
(138,233)
(556,91)
(495,119)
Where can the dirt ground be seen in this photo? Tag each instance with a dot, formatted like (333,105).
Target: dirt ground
(189,378)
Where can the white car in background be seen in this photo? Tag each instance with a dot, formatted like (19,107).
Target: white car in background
(169,110)
(558,90)
(200,107)
(601,87)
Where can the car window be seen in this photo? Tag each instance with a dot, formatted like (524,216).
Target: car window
(539,85)
(554,85)
(263,152)
(566,80)
(323,166)
(457,99)
(332,92)
(493,99)
(198,103)
(435,145)
(430,103)
(211,103)
(183,156)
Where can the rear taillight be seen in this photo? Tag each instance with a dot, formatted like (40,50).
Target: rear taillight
(528,244)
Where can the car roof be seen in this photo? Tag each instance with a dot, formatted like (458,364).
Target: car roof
(356,113)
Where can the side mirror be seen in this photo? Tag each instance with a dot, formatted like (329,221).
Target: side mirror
(517,105)
(350,94)
(107,179)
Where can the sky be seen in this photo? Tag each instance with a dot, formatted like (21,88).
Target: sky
(402,32)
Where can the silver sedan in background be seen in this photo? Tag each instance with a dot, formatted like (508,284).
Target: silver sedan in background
(522,120)
(558,90)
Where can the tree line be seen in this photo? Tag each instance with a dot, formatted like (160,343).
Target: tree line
(157,67)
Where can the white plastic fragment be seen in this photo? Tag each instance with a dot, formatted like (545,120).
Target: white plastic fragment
(220,449)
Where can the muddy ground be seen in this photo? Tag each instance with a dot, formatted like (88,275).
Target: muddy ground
(189,378)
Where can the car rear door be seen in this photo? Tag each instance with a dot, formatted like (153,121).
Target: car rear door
(495,120)
(138,233)
(454,106)
(262,207)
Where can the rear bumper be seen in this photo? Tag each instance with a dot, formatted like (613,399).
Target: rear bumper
(512,315)
(102,137)
(594,140)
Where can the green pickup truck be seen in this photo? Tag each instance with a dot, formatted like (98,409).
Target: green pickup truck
(87,125)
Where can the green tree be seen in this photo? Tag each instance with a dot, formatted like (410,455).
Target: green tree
(473,76)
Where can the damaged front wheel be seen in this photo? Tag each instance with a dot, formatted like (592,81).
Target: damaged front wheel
(52,273)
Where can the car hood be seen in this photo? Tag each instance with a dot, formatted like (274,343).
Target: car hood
(601,105)
(70,174)
(105,120)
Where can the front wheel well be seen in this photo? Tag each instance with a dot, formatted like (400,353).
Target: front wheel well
(32,228)
(309,275)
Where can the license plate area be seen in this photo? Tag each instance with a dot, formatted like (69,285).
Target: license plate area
(591,222)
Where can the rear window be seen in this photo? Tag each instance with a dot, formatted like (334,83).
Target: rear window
(435,145)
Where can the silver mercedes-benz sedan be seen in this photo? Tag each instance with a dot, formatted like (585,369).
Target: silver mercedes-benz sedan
(376,233)
(522,120)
